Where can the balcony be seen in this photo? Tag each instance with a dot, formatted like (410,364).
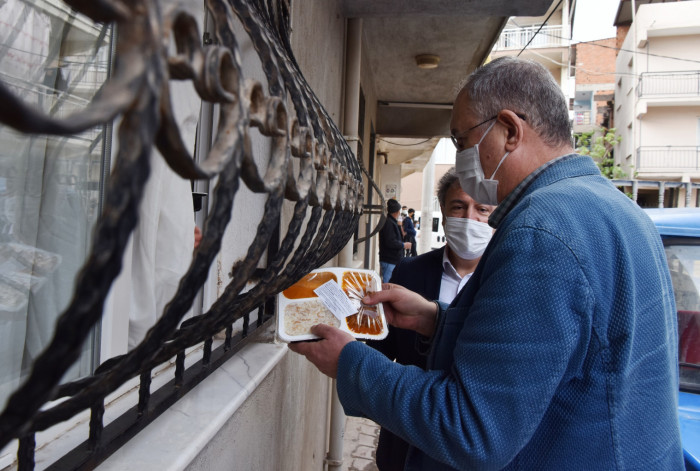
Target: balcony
(668,158)
(669,84)
(518,38)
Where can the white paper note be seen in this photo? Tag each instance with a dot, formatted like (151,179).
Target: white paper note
(335,299)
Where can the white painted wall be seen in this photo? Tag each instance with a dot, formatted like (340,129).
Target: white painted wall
(669,125)
(661,34)
(390,182)
(282,426)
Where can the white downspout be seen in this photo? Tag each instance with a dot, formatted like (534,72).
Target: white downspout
(426,210)
(351,107)
(334,458)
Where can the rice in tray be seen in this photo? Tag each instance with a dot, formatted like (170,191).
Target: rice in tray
(299,317)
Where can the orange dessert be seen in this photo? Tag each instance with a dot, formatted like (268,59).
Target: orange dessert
(365,324)
(367,320)
(356,281)
(305,287)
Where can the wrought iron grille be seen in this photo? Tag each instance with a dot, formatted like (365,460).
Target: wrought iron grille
(311,165)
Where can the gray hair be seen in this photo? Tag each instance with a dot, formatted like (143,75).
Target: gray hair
(524,87)
(446,182)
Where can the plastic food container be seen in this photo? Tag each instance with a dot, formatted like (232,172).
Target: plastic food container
(299,307)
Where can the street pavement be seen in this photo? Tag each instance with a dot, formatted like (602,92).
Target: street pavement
(360,445)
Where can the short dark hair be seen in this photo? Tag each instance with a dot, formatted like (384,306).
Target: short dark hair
(392,206)
(411,211)
(448,179)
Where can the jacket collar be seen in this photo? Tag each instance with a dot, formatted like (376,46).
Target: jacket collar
(566,166)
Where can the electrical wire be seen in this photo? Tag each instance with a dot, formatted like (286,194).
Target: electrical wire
(589,72)
(592,43)
(541,26)
(406,145)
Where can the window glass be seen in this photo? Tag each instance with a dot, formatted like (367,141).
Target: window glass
(684,263)
(54,60)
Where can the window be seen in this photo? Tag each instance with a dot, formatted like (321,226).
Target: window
(50,187)
(684,265)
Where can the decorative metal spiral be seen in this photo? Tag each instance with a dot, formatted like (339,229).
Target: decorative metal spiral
(328,180)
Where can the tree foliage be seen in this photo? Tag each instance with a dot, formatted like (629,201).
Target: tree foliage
(599,144)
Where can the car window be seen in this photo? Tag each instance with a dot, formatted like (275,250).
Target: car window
(684,264)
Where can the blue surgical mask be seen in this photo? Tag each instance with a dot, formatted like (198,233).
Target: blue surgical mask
(471,175)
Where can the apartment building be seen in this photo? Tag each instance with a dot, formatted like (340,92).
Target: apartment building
(657,101)
(544,39)
(594,70)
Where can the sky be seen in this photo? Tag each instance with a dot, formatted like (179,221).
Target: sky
(594,19)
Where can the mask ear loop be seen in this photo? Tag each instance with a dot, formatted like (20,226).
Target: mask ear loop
(487,131)
(499,165)
(502,158)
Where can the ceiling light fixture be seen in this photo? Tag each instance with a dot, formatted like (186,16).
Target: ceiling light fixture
(427,61)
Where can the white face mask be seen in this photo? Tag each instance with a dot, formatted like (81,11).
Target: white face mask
(471,175)
(466,237)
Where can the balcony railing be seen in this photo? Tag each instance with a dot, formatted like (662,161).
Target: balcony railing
(518,38)
(681,158)
(685,83)
(582,117)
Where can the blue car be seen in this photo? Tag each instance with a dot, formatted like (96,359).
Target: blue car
(680,232)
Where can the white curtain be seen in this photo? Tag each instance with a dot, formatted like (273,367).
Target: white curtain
(48,185)
(162,247)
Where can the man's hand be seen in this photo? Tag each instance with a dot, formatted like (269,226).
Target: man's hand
(405,309)
(324,353)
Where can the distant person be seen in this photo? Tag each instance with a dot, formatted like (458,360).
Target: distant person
(439,274)
(391,244)
(197,236)
(561,351)
(409,232)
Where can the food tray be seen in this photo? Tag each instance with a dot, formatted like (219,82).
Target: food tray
(298,307)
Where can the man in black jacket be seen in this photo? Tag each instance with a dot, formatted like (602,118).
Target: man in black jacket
(438,274)
(409,232)
(391,244)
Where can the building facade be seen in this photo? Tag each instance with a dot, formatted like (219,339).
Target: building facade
(543,39)
(657,102)
(594,66)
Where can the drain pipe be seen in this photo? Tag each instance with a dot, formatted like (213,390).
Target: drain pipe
(426,210)
(334,458)
(351,106)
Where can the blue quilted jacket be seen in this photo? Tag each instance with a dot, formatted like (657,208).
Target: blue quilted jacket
(559,354)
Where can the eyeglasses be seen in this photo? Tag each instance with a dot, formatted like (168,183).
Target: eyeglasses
(455,139)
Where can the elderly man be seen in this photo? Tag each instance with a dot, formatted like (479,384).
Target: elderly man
(560,352)
(438,274)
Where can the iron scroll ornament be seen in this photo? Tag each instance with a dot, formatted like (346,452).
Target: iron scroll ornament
(311,165)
